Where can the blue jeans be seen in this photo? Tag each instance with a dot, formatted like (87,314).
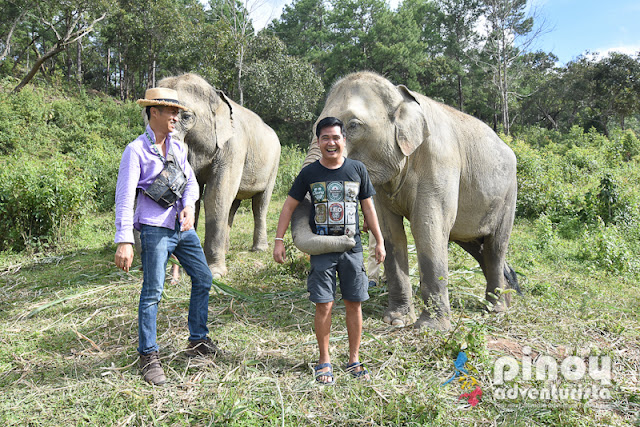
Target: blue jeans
(158,244)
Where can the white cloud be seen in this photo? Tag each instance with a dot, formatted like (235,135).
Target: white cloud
(630,50)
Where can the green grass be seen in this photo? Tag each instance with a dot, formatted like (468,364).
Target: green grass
(68,334)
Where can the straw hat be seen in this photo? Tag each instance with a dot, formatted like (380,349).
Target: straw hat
(160,96)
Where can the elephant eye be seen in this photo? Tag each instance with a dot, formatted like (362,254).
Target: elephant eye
(353,125)
(187,117)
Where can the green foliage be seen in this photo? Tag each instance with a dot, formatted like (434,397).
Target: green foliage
(545,234)
(606,247)
(630,145)
(291,159)
(274,75)
(91,131)
(39,199)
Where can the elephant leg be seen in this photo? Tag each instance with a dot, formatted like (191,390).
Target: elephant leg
(474,248)
(434,276)
(260,206)
(232,214)
(495,258)
(218,200)
(400,311)
(498,274)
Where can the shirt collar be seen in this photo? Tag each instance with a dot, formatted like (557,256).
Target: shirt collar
(150,137)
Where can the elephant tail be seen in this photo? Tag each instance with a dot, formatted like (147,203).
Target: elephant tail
(512,278)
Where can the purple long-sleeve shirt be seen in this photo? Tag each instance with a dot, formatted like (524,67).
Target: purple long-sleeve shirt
(138,169)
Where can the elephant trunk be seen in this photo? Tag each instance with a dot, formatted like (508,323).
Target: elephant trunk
(309,242)
(313,154)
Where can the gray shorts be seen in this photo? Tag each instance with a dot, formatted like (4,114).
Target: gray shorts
(349,266)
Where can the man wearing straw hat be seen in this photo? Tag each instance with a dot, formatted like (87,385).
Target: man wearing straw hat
(154,169)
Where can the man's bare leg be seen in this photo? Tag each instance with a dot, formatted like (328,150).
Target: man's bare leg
(322,323)
(354,330)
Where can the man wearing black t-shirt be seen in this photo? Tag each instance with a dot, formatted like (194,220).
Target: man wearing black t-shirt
(335,184)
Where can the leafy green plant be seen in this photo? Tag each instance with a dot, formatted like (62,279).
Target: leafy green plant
(39,199)
(545,234)
(606,247)
(291,159)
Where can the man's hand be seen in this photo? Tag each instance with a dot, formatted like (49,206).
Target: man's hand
(279,252)
(381,253)
(124,256)
(187,218)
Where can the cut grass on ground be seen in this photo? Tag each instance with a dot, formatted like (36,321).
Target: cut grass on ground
(68,334)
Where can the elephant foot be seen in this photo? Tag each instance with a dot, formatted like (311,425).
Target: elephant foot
(499,307)
(498,304)
(218,271)
(260,247)
(437,323)
(399,317)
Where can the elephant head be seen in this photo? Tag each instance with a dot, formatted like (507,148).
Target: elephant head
(384,123)
(208,125)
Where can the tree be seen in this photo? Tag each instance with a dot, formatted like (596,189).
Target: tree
(617,88)
(68,22)
(236,16)
(303,29)
(541,90)
(398,51)
(351,23)
(14,14)
(509,34)
(457,23)
(282,89)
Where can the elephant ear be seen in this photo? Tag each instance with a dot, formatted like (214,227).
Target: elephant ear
(223,118)
(411,126)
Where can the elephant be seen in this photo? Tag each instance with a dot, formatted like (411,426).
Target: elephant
(446,172)
(234,156)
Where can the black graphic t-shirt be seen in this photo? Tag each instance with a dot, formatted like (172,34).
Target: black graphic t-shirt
(335,194)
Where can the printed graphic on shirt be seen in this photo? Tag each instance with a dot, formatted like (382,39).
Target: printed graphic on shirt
(335,191)
(319,192)
(351,212)
(336,207)
(321,213)
(336,213)
(351,190)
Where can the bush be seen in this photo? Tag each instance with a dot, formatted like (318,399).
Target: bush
(606,247)
(39,200)
(291,159)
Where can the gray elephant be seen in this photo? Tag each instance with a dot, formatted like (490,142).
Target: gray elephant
(234,155)
(448,173)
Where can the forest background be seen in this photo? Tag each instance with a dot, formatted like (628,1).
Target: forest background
(70,71)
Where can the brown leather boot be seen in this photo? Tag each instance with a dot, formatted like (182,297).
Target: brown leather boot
(204,347)
(152,369)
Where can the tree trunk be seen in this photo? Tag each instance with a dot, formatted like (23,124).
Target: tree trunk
(68,63)
(79,69)
(7,43)
(120,75)
(240,61)
(108,79)
(51,53)
(460,94)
